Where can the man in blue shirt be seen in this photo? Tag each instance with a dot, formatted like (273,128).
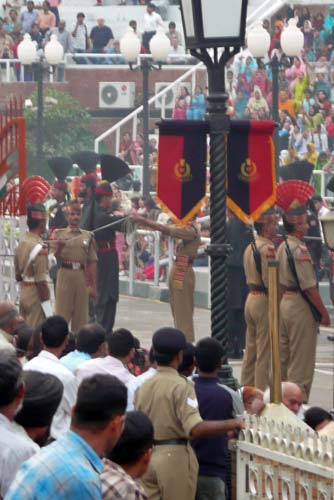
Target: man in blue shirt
(69,468)
(89,344)
(215,403)
(100,37)
(29,17)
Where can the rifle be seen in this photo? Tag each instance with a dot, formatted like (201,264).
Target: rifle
(258,263)
(291,261)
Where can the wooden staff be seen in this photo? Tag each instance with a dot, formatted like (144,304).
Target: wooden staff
(274,300)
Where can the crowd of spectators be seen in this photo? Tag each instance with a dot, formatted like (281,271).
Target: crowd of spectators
(70,416)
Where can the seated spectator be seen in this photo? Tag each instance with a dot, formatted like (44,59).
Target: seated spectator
(196,111)
(175,53)
(129,460)
(173,33)
(321,84)
(13,25)
(70,467)
(14,449)
(322,102)
(257,103)
(46,19)
(286,104)
(37,36)
(308,100)
(292,396)
(133,25)
(22,338)
(29,17)
(42,396)
(298,68)
(10,320)
(215,403)
(311,154)
(126,149)
(54,338)
(113,47)
(320,140)
(89,345)
(308,35)
(81,40)
(121,349)
(317,418)
(100,37)
(299,87)
(253,399)
(6,44)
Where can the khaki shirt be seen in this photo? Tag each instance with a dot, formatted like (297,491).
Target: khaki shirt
(81,247)
(190,237)
(267,252)
(303,263)
(38,269)
(170,401)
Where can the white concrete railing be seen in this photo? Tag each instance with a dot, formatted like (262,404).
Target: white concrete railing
(277,461)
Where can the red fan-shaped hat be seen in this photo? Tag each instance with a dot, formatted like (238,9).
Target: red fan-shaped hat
(293,194)
(36,189)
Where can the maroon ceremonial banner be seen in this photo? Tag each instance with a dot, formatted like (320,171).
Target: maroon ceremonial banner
(251,187)
(182,157)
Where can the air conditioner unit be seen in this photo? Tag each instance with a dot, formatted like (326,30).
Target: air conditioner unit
(116,94)
(171,95)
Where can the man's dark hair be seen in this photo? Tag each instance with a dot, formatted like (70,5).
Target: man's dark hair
(33,223)
(163,359)
(317,197)
(100,399)
(80,14)
(10,377)
(259,226)
(135,440)
(172,25)
(151,356)
(120,342)
(289,228)
(208,355)
(54,331)
(188,358)
(90,337)
(136,185)
(23,337)
(315,416)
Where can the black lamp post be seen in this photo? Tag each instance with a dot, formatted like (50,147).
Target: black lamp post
(130,48)
(214,25)
(27,54)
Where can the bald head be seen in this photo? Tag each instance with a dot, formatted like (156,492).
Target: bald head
(9,317)
(292,396)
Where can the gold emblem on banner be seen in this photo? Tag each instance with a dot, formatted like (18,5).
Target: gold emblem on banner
(248,171)
(182,171)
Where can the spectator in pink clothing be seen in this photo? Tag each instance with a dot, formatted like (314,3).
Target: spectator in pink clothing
(296,69)
(182,103)
(54,4)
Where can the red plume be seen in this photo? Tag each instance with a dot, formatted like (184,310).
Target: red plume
(36,189)
(293,194)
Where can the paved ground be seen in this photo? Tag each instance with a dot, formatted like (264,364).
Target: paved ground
(143,317)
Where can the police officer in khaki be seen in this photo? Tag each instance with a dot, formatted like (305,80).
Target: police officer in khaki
(75,252)
(169,400)
(298,336)
(31,269)
(256,363)
(182,276)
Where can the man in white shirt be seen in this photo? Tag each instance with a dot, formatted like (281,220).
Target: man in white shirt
(81,42)
(90,344)
(54,338)
(152,21)
(176,52)
(121,349)
(14,448)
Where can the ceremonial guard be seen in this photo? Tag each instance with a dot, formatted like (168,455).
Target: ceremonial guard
(59,191)
(256,363)
(170,401)
(76,256)
(301,306)
(31,257)
(182,276)
(107,267)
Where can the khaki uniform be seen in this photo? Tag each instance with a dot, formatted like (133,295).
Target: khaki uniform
(169,400)
(35,272)
(298,336)
(182,279)
(256,363)
(71,290)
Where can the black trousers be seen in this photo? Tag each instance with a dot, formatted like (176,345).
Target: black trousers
(147,35)
(106,313)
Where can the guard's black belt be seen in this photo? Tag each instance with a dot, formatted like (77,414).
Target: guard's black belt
(171,441)
(75,266)
(290,289)
(256,288)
